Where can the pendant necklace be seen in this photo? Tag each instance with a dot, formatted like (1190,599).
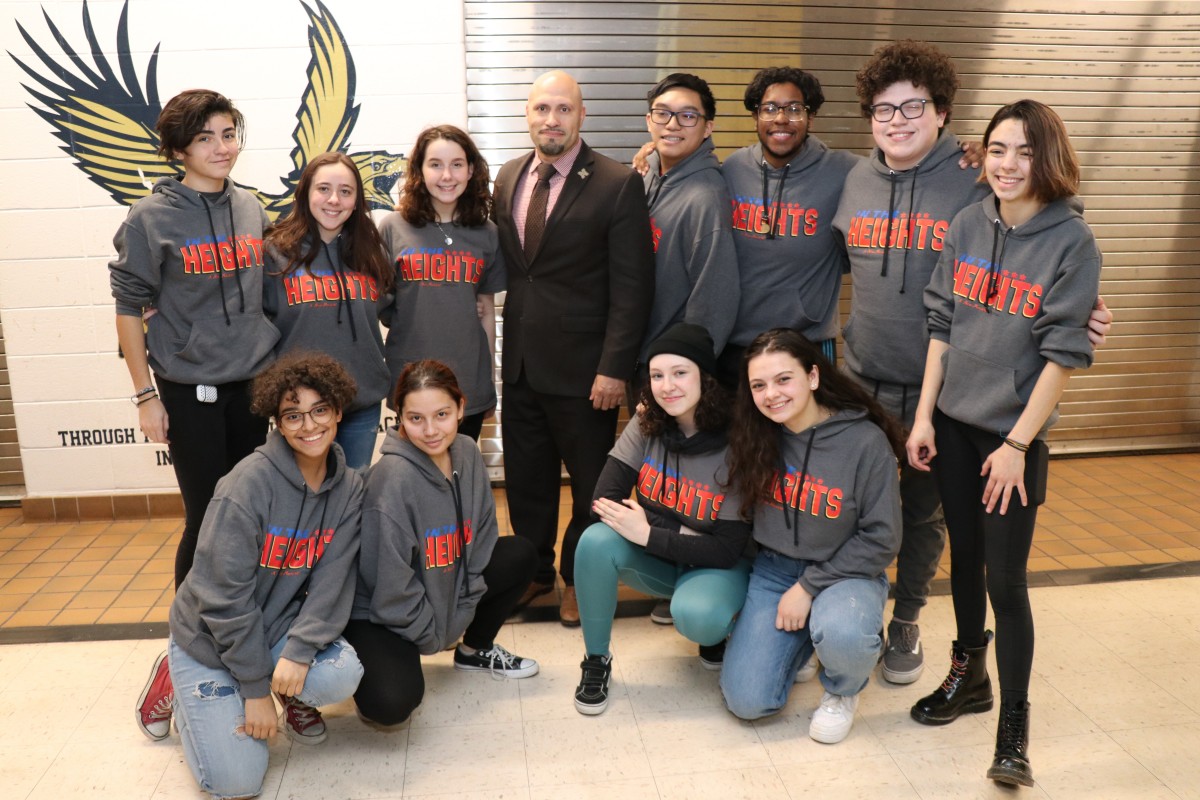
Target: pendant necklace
(443,230)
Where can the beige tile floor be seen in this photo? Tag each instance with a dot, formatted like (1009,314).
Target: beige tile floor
(1115,696)
(1113,511)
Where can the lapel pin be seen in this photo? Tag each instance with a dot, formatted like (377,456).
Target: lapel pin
(583,173)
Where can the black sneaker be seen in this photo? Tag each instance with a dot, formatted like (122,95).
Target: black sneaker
(591,696)
(712,656)
(903,659)
(496,660)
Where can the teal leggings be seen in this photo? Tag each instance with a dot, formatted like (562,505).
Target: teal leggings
(704,601)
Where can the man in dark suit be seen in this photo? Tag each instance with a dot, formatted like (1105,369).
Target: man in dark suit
(576,240)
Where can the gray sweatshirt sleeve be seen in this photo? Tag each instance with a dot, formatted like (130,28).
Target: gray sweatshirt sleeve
(716,288)
(1061,331)
(867,553)
(225,593)
(939,297)
(390,548)
(134,276)
(326,607)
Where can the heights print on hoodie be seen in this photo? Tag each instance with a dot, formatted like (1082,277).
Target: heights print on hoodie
(894,225)
(1007,300)
(198,260)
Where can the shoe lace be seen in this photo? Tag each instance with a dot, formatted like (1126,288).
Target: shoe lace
(958,671)
(907,641)
(300,716)
(498,659)
(833,704)
(161,708)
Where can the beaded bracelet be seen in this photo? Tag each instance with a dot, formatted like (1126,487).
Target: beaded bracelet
(1014,444)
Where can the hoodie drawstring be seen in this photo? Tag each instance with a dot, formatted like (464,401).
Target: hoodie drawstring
(791,511)
(999,236)
(456,490)
(340,274)
(887,240)
(212,228)
(772,209)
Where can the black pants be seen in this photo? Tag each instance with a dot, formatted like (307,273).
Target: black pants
(472,425)
(540,432)
(206,441)
(393,684)
(989,553)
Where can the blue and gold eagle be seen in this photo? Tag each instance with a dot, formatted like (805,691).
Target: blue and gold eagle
(106,122)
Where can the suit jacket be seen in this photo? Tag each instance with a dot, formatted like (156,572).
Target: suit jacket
(580,307)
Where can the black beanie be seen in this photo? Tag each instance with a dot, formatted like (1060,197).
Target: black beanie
(687,340)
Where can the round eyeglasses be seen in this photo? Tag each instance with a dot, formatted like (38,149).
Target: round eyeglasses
(294,420)
(796,112)
(911,109)
(687,119)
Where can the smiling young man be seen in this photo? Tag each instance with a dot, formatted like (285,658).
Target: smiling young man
(696,267)
(785,190)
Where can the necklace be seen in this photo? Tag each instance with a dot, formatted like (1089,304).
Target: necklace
(443,230)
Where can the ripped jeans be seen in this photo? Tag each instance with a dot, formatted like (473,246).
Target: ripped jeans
(209,709)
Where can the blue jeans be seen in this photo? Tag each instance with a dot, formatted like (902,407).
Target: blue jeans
(843,626)
(704,601)
(357,434)
(209,709)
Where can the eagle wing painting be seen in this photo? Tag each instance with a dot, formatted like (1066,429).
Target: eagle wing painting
(105,119)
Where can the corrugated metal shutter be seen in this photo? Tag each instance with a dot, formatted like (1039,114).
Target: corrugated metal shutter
(1125,76)
(11,476)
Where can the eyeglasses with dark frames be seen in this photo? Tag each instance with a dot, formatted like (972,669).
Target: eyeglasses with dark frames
(911,109)
(294,420)
(687,119)
(796,112)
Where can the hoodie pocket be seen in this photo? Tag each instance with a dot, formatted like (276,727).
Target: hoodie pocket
(890,349)
(216,352)
(979,392)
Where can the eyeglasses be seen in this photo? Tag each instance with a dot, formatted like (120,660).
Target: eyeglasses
(294,420)
(687,119)
(911,109)
(796,112)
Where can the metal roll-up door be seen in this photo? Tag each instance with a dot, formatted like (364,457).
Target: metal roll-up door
(1125,76)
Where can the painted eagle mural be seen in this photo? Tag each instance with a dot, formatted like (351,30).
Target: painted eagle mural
(106,121)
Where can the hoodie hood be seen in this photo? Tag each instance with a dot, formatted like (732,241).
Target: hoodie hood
(837,501)
(894,225)
(695,264)
(1007,300)
(199,263)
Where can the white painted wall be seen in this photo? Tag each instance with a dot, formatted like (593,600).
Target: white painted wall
(56,226)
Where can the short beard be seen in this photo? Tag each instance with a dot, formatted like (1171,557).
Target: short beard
(551,148)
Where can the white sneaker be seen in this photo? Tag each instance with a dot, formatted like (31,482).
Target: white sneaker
(832,720)
(809,671)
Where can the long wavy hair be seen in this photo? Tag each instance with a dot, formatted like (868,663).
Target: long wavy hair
(474,205)
(297,236)
(754,439)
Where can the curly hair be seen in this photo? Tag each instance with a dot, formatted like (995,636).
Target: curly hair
(184,116)
(754,439)
(316,371)
(475,204)
(426,374)
(918,63)
(1054,171)
(712,412)
(806,82)
(296,237)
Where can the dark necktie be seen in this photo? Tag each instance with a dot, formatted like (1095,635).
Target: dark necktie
(535,217)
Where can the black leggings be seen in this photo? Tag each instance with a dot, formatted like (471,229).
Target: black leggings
(206,441)
(393,685)
(989,553)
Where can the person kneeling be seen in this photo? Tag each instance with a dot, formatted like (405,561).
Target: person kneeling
(271,586)
(433,565)
(815,460)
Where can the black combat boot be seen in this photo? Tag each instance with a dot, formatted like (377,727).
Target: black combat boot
(966,690)
(1011,764)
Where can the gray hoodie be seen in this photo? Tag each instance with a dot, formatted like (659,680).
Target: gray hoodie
(1008,300)
(425,542)
(274,559)
(695,263)
(199,262)
(890,265)
(791,271)
(844,515)
(330,308)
